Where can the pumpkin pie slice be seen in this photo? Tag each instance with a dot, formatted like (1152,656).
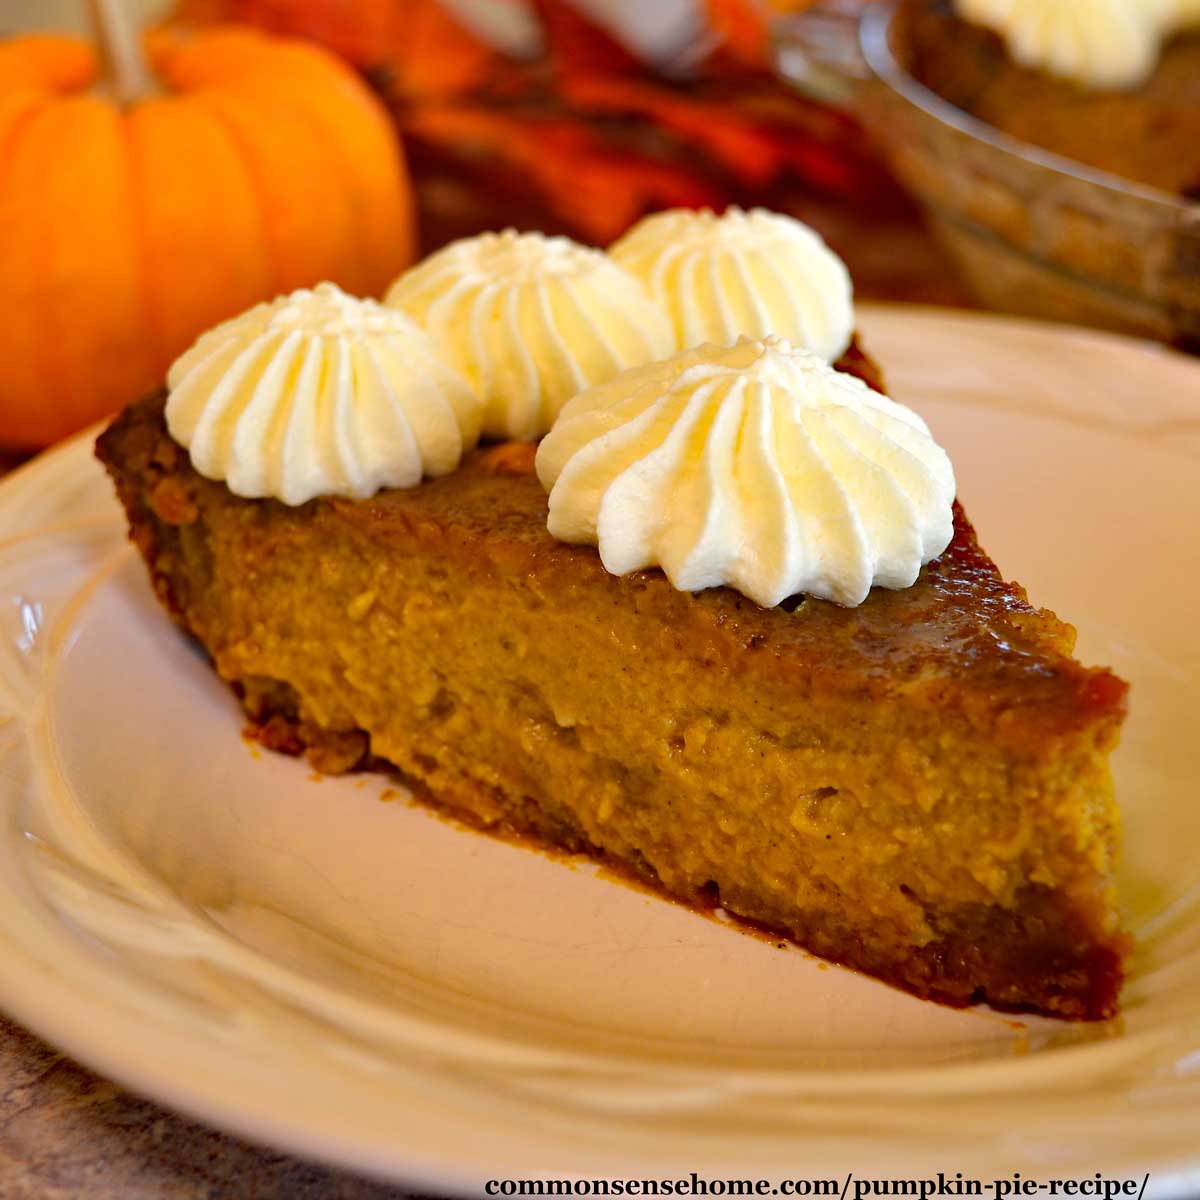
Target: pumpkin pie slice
(917,787)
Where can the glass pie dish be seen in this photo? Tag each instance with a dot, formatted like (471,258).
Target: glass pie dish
(1034,232)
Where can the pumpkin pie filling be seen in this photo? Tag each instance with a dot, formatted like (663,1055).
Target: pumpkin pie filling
(917,787)
(726,628)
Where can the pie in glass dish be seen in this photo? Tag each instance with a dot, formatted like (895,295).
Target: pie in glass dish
(1130,110)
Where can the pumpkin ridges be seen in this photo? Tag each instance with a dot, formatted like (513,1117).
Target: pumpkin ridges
(24,228)
(354,272)
(360,244)
(17,108)
(245,170)
(71,329)
(198,196)
(96,325)
(355,128)
(126,231)
(339,224)
(307,240)
(19,339)
(377,221)
(150,324)
(207,71)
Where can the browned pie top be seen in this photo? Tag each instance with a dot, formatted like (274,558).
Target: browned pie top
(960,619)
(960,638)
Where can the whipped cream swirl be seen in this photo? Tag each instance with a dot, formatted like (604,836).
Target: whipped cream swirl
(754,273)
(318,394)
(1097,43)
(530,321)
(757,467)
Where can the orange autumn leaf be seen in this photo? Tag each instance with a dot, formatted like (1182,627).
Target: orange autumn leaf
(361,31)
(418,42)
(742,30)
(585,128)
(747,152)
(600,192)
(576,43)
(433,57)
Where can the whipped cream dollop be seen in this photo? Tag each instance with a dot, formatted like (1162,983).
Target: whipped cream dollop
(753,273)
(756,466)
(1097,43)
(317,394)
(530,321)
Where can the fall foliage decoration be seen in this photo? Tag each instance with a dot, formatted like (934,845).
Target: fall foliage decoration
(147,193)
(582,136)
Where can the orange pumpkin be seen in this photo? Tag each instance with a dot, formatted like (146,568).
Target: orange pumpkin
(254,165)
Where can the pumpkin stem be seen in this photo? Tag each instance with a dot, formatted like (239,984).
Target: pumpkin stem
(125,65)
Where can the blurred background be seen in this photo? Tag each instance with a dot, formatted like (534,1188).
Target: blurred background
(579,117)
(161,174)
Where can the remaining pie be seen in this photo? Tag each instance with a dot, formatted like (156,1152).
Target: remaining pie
(1148,132)
(909,776)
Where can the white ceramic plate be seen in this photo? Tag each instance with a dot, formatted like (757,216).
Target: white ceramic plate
(304,963)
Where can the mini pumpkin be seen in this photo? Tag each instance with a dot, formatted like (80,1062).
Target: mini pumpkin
(132,217)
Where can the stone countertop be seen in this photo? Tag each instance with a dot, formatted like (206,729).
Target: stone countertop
(66,1134)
